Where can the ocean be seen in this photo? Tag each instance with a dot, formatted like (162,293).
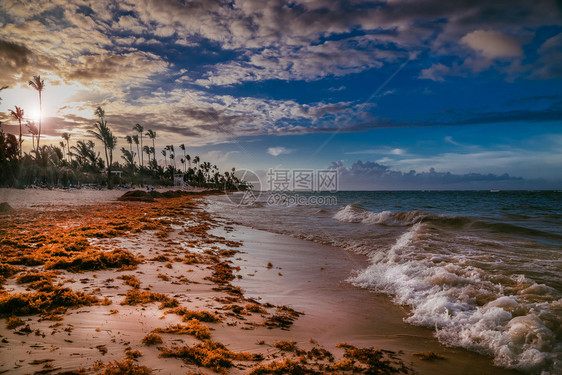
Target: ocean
(483,269)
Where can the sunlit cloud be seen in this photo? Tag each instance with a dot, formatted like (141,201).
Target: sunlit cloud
(280,150)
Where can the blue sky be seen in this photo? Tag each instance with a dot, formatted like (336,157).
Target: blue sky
(470,89)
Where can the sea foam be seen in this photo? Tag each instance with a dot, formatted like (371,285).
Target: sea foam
(519,326)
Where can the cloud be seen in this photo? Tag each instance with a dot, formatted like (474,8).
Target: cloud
(135,52)
(276,151)
(367,175)
(450,140)
(378,151)
(122,68)
(550,53)
(435,72)
(493,44)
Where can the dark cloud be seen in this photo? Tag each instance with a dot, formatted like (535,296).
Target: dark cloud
(115,67)
(13,56)
(371,175)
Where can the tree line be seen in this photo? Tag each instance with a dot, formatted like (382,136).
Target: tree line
(65,165)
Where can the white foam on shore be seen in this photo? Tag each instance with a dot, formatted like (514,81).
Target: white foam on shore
(518,325)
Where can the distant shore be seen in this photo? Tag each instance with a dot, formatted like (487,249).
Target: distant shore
(135,273)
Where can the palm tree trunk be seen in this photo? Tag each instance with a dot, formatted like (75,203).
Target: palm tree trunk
(142,156)
(21,141)
(40,116)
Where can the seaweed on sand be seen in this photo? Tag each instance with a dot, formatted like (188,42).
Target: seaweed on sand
(14,322)
(209,354)
(187,315)
(126,366)
(284,317)
(56,299)
(35,277)
(7,270)
(130,280)
(286,346)
(135,297)
(374,361)
(286,366)
(91,260)
(193,328)
(152,339)
(222,273)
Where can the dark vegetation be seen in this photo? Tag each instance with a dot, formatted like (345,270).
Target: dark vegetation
(66,165)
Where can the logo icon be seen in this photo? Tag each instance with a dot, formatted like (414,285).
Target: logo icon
(247,188)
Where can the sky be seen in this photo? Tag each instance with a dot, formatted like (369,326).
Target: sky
(397,94)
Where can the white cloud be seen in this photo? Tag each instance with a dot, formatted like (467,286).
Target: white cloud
(450,140)
(378,151)
(493,44)
(276,151)
(435,72)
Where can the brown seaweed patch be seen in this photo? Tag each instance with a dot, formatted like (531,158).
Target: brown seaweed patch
(95,260)
(44,302)
(14,322)
(377,361)
(284,317)
(152,339)
(212,355)
(193,328)
(286,346)
(7,270)
(286,366)
(320,354)
(130,280)
(255,308)
(126,366)
(187,315)
(35,276)
(135,297)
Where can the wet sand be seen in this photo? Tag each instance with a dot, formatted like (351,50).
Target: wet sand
(191,258)
(336,311)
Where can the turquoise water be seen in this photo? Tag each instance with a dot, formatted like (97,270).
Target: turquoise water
(484,269)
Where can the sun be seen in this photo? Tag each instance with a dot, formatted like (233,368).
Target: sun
(34,115)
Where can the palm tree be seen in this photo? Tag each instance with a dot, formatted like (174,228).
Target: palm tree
(182,160)
(104,134)
(129,140)
(188,158)
(66,137)
(172,155)
(129,158)
(86,156)
(140,129)
(136,141)
(196,160)
(165,160)
(18,115)
(38,84)
(147,151)
(152,135)
(172,160)
(62,146)
(33,130)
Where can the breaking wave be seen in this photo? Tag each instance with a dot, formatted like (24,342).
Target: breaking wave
(507,316)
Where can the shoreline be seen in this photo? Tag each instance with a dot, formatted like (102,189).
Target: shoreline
(191,260)
(335,311)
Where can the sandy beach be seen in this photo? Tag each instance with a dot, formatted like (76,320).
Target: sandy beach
(95,285)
